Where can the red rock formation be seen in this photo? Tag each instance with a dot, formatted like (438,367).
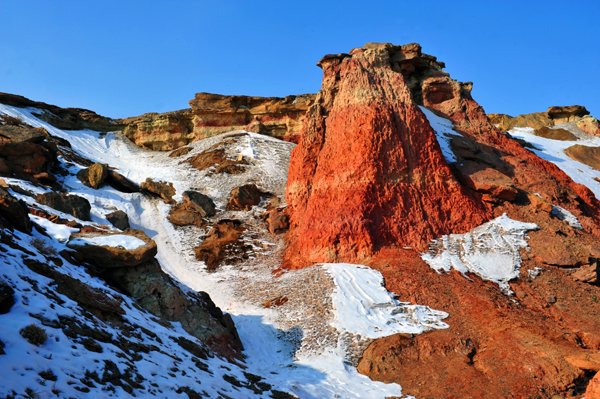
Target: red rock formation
(369,171)
(368,177)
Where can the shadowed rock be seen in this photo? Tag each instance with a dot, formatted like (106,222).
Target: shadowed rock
(15,212)
(71,204)
(118,219)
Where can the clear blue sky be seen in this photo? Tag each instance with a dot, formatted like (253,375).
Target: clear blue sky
(124,58)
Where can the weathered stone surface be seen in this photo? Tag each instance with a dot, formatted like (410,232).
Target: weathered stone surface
(200,202)
(590,125)
(157,293)
(71,204)
(593,388)
(555,134)
(223,244)
(164,190)
(108,257)
(486,180)
(369,171)
(587,273)
(63,118)
(278,221)
(562,114)
(213,114)
(244,197)
(586,155)
(218,159)
(93,176)
(118,219)
(25,158)
(15,212)
(22,133)
(185,214)
(121,183)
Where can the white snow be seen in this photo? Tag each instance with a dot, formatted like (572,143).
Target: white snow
(363,305)
(568,217)
(59,232)
(123,241)
(444,130)
(554,151)
(490,251)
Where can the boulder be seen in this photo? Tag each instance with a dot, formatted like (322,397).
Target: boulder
(223,244)
(244,197)
(112,250)
(589,156)
(200,202)
(587,273)
(278,221)
(7,299)
(93,176)
(22,133)
(217,159)
(166,191)
(486,180)
(121,183)
(24,158)
(589,125)
(555,134)
(15,212)
(118,219)
(562,114)
(185,215)
(70,204)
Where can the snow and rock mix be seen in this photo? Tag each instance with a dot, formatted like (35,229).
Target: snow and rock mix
(444,130)
(490,251)
(298,334)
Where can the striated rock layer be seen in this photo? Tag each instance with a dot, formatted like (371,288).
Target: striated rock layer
(368,178)
(369,171)
(213,114)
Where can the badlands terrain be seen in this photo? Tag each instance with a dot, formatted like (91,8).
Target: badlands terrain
(383,238)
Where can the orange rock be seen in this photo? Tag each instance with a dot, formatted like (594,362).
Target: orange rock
(593,388)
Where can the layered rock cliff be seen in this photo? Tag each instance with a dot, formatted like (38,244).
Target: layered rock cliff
(368,182)
(213,114)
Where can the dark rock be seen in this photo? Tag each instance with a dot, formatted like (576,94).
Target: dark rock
(71,204)
(166,191)
(7,298)
(112,257)
(180,151)
(118,219)
(15,212)
(244,197)
(121,183)
(23,133)
(26,158)
(200,202)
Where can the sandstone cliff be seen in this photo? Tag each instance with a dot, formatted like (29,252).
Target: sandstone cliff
(213,114)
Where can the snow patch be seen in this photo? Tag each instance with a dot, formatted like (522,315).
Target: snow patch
(59,232)
(363,305)
(444,130)
(122,241)
(563,214)
(490,251)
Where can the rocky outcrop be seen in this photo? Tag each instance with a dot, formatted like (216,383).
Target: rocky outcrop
(93,176)
(164,190)
(368,171)
(63,118)
(576,114)
(368,179)
(113,250)
(200,202)
(586,155)
(70,204)
(193,211)
(14,212)
(213,114)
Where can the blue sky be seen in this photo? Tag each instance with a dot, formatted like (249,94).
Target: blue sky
(125,58)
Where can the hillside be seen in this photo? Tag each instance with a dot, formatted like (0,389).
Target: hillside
(382,238)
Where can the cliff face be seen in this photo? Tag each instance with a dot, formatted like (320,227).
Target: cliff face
(213,114)
(368,181)
(368,171)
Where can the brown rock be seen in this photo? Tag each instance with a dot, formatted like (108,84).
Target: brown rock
(535,120)
(593,388)
(180,151)
(166,191)
(96,174)
(161,132)
(23,133)
(203,204)
(185,214)
(121,183)
(278,221)
(26,158)
(540,203)
(486,180)
(244,197)
(586,155)
(118,219)
(15,212)
(562,114)
(219,160)
(107,257)
(71,204)
(587,273)
(555,134)
(223,244)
